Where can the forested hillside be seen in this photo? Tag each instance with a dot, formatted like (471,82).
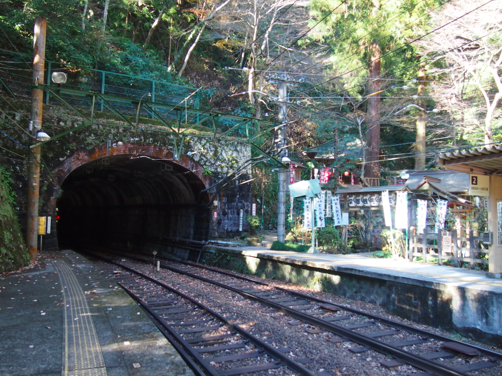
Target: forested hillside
(402,78)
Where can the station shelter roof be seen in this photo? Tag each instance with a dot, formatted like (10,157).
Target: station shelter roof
(480,160)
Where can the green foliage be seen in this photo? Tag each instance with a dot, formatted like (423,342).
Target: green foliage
(13,254)
(351,30)
(254,222)
(382,254)
(265,191)
(280,246)
(329,237)
(10,194)
(399,246)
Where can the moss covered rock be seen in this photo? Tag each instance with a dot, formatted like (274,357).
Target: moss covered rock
(13,253)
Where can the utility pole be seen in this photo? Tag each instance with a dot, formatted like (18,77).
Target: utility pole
(421,124)
(35,125)
(283,152)
(283,81)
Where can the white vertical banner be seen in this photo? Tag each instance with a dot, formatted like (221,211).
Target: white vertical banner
(320,219)
(337,212)
(401,220)
(345,219)
(421,215)
(386,208)
(329,211)
(441,208)
(291,201)
(307,213)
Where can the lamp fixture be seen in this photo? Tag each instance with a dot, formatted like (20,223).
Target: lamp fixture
(59,77)
(42,136)
(285,159)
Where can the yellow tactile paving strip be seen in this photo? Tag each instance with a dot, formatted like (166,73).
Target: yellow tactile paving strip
(82,354)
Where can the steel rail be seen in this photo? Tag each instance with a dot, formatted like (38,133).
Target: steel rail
(259,343)
(388,322)
(181,346)
(370,315)
(412,359)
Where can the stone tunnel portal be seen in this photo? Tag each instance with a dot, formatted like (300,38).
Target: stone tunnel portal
(134,203)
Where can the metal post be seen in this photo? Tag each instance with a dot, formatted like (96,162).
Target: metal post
(103,78)
(153,98)
(35,125)
(283,151)
(49,72)
(313,248)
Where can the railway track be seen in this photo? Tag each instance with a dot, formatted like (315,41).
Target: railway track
(210,343)
(427,352)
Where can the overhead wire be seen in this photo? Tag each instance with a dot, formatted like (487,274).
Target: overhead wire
(413,41)
(377,27)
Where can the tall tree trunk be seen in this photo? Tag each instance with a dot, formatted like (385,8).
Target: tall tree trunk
(105,15)
(86,4)
(421,124)
(373,114)
(126,23)
(201,24)
(135,31)
(189,52)
(154,25)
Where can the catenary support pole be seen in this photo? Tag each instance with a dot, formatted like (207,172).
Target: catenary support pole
(35,125)
(281,205)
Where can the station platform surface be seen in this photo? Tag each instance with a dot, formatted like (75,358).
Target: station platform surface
(66,317)
(365,264)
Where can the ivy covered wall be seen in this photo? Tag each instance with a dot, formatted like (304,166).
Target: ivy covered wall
(13,254)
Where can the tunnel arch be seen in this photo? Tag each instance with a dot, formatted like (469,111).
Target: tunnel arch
(132,197)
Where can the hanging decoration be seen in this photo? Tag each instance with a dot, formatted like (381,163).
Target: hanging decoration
(324,175)
(421,215)
(337,212)
(291,202)
(307,213)
(291,173)
(441,208)
(386,208)
(401,219)
(319,207)
(329,211)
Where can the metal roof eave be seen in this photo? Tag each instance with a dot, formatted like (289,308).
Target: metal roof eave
(484,160)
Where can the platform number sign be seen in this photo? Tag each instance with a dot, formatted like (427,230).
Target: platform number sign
(479,185)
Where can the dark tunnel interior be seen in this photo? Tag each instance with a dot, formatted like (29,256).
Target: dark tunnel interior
(134,203)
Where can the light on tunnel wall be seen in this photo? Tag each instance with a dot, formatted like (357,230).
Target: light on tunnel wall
(59,77)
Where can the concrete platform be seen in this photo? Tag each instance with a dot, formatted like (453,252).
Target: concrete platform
(65,317)
(460,300)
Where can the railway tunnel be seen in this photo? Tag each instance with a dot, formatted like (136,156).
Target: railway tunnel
(131,202)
